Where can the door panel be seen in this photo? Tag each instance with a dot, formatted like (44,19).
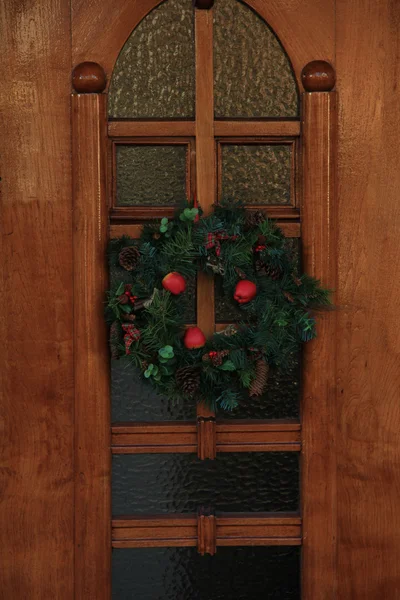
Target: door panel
(160,487)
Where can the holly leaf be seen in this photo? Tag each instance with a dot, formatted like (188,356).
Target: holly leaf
(227,366)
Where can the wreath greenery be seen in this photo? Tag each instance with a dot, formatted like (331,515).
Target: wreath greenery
(146,311)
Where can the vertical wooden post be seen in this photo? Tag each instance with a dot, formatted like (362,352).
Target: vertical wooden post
(318,407)
(205,181)
(92,411)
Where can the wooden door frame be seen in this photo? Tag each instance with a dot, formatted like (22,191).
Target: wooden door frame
(92,445)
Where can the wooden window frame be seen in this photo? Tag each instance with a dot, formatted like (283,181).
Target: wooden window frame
(93,524)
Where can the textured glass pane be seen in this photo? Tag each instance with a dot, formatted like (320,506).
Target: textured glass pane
(281,399)
(244,573)
(154,76)
(132,399)
(257,174)
(252,74)
(234,482)
(151,175)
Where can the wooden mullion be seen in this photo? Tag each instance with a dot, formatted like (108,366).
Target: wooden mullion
(319,384)
(246,128)
(150,129)
(205,160)
(230,529)
(226,128)
(290,230)
(181,437)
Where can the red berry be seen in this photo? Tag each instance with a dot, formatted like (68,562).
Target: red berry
(174,283)
(245,291)
(194,338)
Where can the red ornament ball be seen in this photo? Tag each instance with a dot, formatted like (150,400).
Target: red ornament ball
(245,291)
(194,338)
(174,283)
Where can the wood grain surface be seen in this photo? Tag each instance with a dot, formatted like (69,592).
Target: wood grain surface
(36,438)
(36,502)
(368,400)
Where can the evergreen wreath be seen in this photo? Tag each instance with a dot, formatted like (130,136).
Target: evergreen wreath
(146,311)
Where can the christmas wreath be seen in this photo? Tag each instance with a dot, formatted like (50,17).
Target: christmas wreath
(146,310)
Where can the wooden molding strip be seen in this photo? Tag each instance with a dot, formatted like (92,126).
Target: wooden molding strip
(320,381)
(257,128)
(226,529)
(183,437)
(129,129)
(290,230)
(206,533)
(129,215)
(122,129)
(92,380)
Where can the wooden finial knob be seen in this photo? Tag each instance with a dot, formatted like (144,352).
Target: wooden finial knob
(88,78)
(203,4)
(318,76)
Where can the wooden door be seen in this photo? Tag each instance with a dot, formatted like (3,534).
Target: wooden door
(203,103)
(55,511)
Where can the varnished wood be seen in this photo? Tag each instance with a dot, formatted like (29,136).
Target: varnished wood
(290,230)
(225,529)
(206,533)
(319,376)
(92,386)
(306,28)
(368,390)
(267,128)
(207,437)
(318,76)
(205,165)
(88,78)
(122,129)
(36,303)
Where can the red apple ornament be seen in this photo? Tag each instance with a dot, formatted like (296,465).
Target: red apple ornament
(194,338)
(174,283)
(245,291)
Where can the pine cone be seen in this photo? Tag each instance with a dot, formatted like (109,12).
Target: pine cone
(268,270)
(129,257)
(254,218)
(260,380)
(188,379)
(115,340)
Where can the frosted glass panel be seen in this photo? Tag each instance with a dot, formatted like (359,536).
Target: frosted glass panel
(154,76)
(233,482)
(257,173)
(252,74)
(243,573)
(151,175)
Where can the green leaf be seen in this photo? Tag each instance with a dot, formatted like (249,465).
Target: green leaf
(164,221)
(163,228)
(125,308)
(227,366)
(120,289)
